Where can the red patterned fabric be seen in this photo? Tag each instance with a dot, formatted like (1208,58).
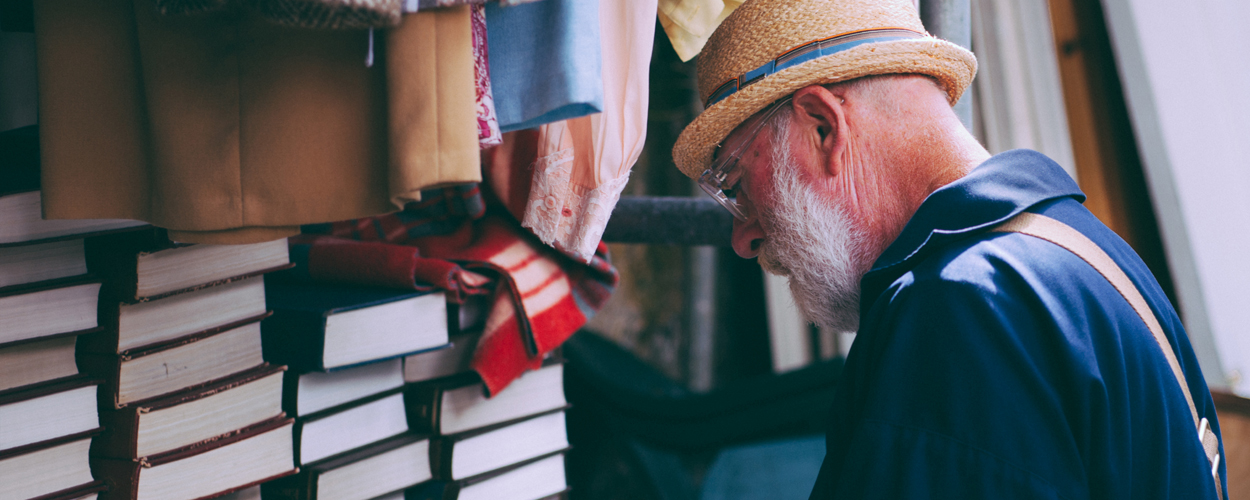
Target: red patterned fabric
(487,122)
(541,297)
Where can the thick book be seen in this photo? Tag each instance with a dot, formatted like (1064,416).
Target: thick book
(21,206)
(323,328)
(458,404)
(145,265)
(541,477)
(345,428)
(24,264)
(89,491)
(46,412)
(127,327)
(252,456)
(22,222)
(251,493)
(469,454)
(45,309)
(48,468)
(386,467)
(31,363)
(442,362)
(148,372)
(311,392)
(192,416)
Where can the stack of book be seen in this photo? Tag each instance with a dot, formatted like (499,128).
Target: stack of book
(345,348)
(387,408)
(47,408)
(508,447)
(190,408)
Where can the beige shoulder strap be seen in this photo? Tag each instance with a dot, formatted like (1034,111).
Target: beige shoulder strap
(1061,234)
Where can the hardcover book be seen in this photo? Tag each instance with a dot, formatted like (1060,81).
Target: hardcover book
(46,412)
(22,223)
(538,478)
(348,427)
(30,363)
(46,309)
(386,467)
(240,460)
(252,493)
(458,404)
(47,468)
(24,264)
(322,328)
(89,491)
(148,372)
(473,453)
(144,265)
(127,327)
(192,416)
(312,392)
(442,362)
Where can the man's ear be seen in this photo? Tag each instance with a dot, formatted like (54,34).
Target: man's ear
(821,120)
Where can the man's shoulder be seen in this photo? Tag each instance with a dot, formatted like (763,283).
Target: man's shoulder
(996,267)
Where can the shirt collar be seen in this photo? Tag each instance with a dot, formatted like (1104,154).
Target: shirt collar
(997,190)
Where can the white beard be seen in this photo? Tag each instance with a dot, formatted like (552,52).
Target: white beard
(814,243)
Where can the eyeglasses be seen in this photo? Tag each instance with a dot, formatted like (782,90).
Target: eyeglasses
(721,179)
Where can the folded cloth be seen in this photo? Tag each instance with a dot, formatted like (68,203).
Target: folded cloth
(540,296)
(329,259)
(544,61)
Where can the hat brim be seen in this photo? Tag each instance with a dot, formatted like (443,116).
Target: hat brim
(952,65)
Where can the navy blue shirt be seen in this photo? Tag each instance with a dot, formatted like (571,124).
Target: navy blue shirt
(999,365)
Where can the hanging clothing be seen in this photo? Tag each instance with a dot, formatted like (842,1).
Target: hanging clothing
(488,133)
(316,14)
(434,4)
(540,297)
(689,23)
(225,128)
(544,64)
(581,165)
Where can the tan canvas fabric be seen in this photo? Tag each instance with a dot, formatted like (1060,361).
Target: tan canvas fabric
(433,103)
(228,129)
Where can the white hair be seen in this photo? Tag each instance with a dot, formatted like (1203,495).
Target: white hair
(811,240)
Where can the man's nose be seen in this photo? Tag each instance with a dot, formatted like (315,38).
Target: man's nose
(747,237)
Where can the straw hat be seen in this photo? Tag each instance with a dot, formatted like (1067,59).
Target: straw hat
(768,49)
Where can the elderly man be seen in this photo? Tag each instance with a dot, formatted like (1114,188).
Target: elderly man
(1010,345)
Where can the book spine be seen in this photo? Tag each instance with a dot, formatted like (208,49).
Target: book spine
(440,458)
(121,476)
(114,258)
(106,367)
(295,339)
(290,393)
(301,486)
(119,439)
(422,402)
(433,490)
